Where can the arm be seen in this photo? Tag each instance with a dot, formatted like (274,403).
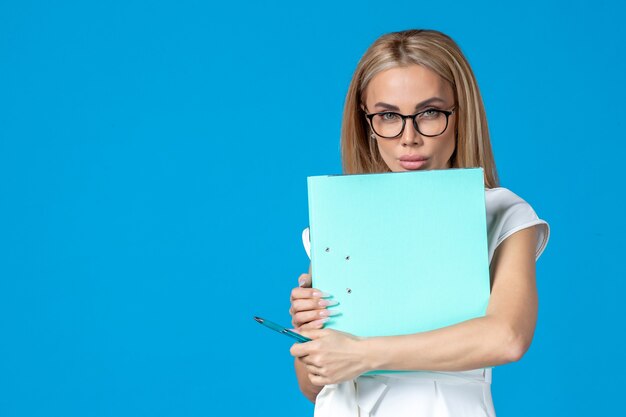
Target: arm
(306,386)
(503,335)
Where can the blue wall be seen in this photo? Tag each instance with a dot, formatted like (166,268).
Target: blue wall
(153,164)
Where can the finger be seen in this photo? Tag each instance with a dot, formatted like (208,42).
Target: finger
(301,318)
(320,381)
(307,304)
(297,293)
(312,325)
(304,317)
(315,370)
(305,280)
(313,333)
(298,350)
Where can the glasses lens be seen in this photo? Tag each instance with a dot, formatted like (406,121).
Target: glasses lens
(431,122)
(387,125)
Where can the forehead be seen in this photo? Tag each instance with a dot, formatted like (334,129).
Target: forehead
(407,86)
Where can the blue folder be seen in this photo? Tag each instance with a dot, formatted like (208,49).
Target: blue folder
(402,252)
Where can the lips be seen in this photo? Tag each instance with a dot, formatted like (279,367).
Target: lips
(412,162)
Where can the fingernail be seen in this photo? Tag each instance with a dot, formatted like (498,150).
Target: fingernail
(320,294)
(320,322)
(329,313)
(301,282)
(326,303)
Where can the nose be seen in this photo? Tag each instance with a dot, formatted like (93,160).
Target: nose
(410,135)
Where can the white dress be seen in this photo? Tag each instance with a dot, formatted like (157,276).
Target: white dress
(433,394)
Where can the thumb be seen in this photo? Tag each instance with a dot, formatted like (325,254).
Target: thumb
(305,281)
(312,333)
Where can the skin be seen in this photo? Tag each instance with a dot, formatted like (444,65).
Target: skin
(404,89)
(503,335)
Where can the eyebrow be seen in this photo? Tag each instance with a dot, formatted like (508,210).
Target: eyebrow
(422,104)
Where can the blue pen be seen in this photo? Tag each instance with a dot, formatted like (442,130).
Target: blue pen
(281,329)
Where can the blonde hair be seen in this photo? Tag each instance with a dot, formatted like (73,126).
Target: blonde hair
(439,53)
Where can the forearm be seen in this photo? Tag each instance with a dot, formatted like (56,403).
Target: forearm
(476,343)
(308,389)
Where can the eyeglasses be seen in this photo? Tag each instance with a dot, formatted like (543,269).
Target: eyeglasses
(430,123)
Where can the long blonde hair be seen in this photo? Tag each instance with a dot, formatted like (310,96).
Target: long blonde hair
(439,53)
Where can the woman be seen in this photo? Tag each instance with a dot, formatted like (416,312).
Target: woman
(413,103)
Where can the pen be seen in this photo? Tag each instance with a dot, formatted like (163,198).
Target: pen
(281,329)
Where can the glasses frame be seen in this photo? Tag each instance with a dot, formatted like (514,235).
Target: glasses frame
(447,113)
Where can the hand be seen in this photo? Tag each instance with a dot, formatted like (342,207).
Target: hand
(308,306)
(331,357)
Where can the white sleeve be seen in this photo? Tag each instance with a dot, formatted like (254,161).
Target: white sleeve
(306,242)
(512,214)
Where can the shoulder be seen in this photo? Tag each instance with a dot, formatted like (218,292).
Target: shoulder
(502,202)
(508,213)
(501,198)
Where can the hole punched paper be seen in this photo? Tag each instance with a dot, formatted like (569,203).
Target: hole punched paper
(401,252)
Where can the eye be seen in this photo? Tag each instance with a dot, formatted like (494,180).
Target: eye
(388,117)
(430,114)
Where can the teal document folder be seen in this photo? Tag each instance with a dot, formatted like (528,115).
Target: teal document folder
(402,252)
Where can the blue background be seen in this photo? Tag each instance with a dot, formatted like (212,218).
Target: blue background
(153,164)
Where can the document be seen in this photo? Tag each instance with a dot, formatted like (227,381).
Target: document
(401,252)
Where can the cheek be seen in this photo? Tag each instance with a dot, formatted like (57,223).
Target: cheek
(451,144)
(386,152)
(381,146)
(384,148)
(447,146)
(442,151)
